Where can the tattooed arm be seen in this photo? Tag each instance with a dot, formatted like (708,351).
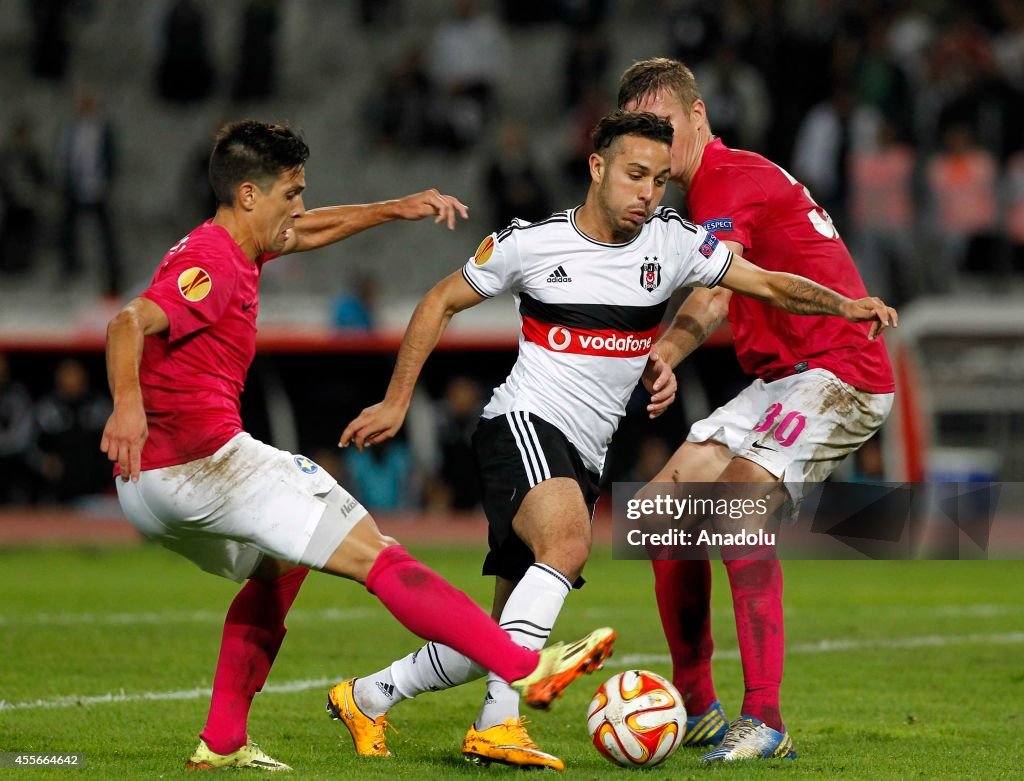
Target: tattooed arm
(698,317)
(802,296)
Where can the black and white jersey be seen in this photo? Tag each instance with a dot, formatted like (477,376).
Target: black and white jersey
(589,314)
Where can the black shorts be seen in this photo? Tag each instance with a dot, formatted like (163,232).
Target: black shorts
(514,452)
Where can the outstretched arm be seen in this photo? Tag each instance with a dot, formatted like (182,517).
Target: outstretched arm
(802,296)
(698,317)
(126,430)
(383,420)
(320,227)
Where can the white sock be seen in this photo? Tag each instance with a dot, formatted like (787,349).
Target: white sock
(376,694)
(428,669)
(528,617)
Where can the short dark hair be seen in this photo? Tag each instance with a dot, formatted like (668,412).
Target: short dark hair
(647,77)
(630,123)
(251,151)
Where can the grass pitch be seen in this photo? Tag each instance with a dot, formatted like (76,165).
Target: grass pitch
(894,669)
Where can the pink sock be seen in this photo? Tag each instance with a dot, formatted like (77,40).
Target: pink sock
(429,606)
(253,632)
(757,603)
(683,590)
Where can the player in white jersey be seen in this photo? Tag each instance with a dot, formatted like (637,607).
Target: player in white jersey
(590,312)
(591,286)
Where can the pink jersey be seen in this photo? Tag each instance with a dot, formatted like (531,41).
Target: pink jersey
(192,375)
(740,196)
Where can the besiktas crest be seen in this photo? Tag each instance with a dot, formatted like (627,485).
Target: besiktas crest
(650,273)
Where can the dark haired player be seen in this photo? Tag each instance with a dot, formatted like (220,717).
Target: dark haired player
(591,285)
(193,480)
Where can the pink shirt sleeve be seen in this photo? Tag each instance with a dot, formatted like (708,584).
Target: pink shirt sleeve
(727,203)
(193,288)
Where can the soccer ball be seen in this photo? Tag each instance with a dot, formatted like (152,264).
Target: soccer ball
(636,719)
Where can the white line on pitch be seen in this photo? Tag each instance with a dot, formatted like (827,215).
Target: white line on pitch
(629,660)
(842,646)
(917,611)
(352,614)
(171,617)
(73,700)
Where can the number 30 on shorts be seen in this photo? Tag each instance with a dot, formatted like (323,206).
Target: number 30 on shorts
(788,429)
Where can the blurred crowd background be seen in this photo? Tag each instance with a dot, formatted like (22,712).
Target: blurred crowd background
(904,118)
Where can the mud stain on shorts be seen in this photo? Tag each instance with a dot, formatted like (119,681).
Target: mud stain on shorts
(224,473)
(837,397)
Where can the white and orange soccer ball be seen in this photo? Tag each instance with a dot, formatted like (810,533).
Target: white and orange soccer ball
(636,719)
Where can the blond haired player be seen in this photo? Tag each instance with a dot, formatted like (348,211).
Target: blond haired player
(822,390)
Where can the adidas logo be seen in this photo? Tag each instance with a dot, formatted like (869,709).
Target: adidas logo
(388,689)
(559,275)
(489,700)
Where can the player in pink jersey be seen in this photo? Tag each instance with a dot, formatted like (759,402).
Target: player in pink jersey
(823,389)
(192,479)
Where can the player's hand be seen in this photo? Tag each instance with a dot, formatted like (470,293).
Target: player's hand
(123,438)
(660,381)
(445,208)
(874,309)
(374,425)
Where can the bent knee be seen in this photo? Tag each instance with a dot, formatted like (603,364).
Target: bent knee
(568,558)
(358,552)
(270,569)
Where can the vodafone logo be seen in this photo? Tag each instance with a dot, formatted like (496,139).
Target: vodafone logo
(608,344)
(614,343)
(559,338)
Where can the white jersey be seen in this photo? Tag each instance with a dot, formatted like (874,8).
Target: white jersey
(589,314)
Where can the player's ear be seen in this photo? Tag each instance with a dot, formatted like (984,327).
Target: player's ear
(699,112)
(245,196)
(597,164)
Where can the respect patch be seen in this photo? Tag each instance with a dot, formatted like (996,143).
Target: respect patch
(718,224)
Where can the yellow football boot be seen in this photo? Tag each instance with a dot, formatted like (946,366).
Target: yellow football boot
(562,663)
(367,734)
(248,756)
(508,743)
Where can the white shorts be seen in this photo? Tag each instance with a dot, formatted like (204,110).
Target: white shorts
(798,428)
(225,511)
